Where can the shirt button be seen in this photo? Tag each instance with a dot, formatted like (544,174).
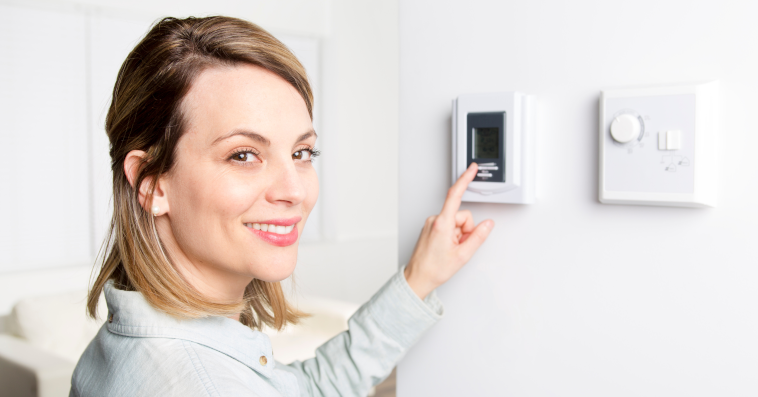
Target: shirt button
(110,318)
(263,360)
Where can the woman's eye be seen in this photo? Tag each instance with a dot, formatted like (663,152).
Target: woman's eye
(244,157)
(302,155)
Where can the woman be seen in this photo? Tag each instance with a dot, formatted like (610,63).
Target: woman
(211,147)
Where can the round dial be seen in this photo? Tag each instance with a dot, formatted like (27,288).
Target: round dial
(625,128)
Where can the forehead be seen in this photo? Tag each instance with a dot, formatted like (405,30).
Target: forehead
(224,98)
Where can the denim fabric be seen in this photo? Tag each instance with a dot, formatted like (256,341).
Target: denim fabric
(145,352)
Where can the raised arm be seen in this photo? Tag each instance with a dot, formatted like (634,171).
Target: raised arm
(447,241)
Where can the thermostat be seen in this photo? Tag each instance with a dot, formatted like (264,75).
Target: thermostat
(658,145)
(495,130)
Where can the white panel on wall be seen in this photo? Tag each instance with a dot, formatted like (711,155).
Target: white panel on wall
(569,297)
(44,179)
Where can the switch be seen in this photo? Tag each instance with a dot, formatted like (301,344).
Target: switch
(670,140)
(673,140)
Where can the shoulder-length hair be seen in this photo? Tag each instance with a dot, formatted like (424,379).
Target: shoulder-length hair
(146,114)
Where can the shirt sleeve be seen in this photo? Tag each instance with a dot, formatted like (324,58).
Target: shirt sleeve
(378,336)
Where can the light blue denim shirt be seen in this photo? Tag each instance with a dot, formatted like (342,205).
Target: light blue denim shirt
(140,351)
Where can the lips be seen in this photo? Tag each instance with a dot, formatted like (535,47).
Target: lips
(278,232)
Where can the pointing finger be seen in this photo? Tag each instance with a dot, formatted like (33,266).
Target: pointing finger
(455,193)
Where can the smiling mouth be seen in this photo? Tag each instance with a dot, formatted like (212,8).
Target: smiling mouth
(276,229)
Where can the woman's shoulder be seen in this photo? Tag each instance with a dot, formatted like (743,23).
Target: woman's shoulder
(142,351)
(115,365)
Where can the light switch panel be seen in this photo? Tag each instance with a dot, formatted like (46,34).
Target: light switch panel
(658,145)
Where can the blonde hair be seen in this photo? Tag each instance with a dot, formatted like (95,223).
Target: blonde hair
(145,114)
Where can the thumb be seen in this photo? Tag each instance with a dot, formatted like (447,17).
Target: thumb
(476,238)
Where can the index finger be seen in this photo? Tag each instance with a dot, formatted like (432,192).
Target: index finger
(454,195)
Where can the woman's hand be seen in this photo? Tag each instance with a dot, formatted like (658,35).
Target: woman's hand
(447,241)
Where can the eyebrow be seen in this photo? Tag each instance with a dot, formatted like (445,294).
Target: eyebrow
(250,134)
(258,137)
(307,135)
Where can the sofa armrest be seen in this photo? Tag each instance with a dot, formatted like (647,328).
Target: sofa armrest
(28,371)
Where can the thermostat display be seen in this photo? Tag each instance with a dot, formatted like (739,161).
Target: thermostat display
(486,143)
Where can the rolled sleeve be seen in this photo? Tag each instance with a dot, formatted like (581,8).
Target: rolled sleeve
(378,336)
(400,313)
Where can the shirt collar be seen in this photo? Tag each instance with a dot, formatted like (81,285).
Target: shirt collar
(129,314)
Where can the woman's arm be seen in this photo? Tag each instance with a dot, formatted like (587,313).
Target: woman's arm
(378,336)
(383,329)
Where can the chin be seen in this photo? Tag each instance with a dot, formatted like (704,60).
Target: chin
(283,268)
(273,278)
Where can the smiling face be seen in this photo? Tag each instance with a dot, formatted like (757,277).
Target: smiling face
(242,185)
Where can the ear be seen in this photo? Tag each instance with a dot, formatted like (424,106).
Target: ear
(159,203)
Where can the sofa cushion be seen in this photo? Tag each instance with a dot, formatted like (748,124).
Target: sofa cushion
(57,323)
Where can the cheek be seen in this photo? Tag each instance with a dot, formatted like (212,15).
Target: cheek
(201,199)
(232,197)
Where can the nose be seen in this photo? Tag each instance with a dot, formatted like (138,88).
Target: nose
(287,186)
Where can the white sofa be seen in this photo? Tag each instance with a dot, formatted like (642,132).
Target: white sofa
(46,335)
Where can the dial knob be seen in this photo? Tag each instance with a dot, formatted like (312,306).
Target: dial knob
(625,128)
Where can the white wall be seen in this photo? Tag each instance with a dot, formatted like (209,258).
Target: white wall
(356,77)
(551,305)
(359,165)
(296,17)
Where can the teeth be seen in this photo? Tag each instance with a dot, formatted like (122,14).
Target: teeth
(271,228)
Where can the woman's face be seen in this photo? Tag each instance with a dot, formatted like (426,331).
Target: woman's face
(243,184)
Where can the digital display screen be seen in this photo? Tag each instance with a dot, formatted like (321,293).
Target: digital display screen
(486,143)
